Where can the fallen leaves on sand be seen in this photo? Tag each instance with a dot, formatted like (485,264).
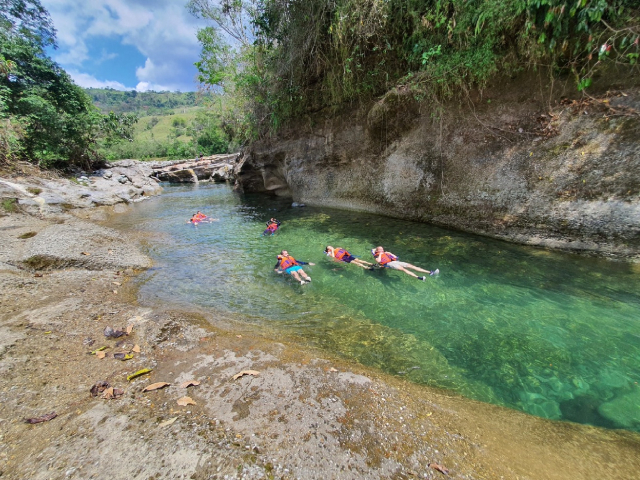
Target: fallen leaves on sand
(129,329)
(136,349)
(139,372)
(111,333)
(238,336)
(155,386)
(184,401)
(116,283)
(333,369)
(111,393)
(101,354)
(439,468)
(122,356)
(246,372)
(98,388)
(99,350)
(168,422)
(189,383)
(85,253)
(43,418)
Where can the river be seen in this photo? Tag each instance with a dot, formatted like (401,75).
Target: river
(553,334)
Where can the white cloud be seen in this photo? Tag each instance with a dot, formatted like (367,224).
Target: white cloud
(88,81)
(161,30)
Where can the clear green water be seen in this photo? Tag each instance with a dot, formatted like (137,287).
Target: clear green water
(551,334)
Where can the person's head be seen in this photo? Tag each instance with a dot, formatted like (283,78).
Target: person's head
(328,249)
(285,253)
(379,250)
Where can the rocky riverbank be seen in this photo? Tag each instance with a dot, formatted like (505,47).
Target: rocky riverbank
(263,408)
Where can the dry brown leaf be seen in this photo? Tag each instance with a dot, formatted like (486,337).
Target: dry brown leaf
(184,401)
(85,253)
(440,468)
(155,386)
(111,393)
(115,292)
(101,354)
(43,418)
(129,329)
(168,422)
(246,372)
(116,283)
(332,369)
(98,388)
(189,383)
(136,349)
(239,336)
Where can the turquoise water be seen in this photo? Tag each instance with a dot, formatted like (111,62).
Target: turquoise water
(551,334)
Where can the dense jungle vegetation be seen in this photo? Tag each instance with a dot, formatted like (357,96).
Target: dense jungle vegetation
(279,59)
(45,117)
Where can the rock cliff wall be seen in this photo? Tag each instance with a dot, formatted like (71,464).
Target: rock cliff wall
(520,162)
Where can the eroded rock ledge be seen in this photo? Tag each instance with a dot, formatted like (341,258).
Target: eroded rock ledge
(506,165)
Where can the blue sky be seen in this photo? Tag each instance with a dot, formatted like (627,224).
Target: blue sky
(126,44)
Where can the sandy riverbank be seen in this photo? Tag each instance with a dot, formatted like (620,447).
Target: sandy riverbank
(304,415)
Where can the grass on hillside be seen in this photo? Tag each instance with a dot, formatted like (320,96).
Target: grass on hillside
(161,131)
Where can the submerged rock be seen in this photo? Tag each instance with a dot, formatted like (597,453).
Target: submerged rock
(623,410)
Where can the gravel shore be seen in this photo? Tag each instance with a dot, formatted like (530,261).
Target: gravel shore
(294,413)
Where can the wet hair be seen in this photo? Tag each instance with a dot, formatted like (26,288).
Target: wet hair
(327,249)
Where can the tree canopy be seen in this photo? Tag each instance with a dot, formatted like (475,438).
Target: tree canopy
(44,116)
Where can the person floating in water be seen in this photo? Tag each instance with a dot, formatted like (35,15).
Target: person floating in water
(288,264)
(389,260)
(200,217)
(342,255)
(272,227)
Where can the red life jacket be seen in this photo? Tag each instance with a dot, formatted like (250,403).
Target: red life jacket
(386,258)
(272,227)
(286,262)
(339,253)
(202,216)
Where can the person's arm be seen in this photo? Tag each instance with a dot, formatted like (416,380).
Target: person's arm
(277,267)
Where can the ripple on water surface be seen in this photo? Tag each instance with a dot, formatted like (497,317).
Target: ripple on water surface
(552,334)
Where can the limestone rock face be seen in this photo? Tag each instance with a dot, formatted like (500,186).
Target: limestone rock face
(121,182)
(509,166)
(215,168)
(81,244)
(187,175)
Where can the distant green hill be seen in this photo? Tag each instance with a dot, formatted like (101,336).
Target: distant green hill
(143,103)
(170,125)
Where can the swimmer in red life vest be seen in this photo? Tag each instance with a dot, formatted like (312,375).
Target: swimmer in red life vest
(288,264)
(200,217)
(389,260)
(272,227)
(342,255)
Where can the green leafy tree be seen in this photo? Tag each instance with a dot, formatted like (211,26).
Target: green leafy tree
(46,118)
